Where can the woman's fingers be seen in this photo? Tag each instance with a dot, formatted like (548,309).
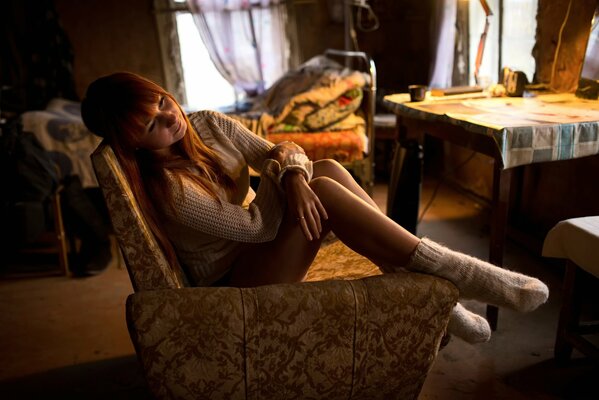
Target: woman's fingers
(321,210)
(305,228)
(309,209)
(314,222)
(310,222)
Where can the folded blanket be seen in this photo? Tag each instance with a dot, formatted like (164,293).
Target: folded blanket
(316,97)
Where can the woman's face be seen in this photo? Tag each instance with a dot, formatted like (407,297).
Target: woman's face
(166,127)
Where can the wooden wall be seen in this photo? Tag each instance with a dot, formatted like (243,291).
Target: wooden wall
(109,36)
(112,35)
(400,46)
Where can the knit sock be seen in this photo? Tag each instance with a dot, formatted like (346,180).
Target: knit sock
(468,326)
(477,279)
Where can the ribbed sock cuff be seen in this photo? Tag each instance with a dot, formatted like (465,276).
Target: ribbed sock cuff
(427,256)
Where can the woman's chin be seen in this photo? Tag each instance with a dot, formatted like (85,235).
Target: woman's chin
(180,135)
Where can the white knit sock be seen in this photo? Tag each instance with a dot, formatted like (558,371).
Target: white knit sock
(468,326)
(477,279)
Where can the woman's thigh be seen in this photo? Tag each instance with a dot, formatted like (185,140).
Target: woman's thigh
(288,257)
(285,259)
(332,169)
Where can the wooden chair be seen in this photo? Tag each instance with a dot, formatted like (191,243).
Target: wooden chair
(52,241)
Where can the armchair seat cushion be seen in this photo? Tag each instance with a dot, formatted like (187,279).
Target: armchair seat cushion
(369,338)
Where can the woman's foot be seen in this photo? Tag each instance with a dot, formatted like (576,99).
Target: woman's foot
(468,326)
(477,279)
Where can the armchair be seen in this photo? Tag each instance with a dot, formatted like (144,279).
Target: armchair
(364,338)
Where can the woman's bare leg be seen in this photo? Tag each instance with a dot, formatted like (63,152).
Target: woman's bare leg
(362,227)
(369,232)
(379,238)
(285,259)
(290,254)
(332,169)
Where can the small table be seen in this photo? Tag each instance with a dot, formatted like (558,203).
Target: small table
(513,131)
(577,241)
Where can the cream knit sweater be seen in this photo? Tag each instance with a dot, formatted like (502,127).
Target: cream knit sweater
(208,234)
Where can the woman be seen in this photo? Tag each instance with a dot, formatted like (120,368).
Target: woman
(190,177)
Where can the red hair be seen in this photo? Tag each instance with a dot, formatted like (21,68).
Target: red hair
(117,108)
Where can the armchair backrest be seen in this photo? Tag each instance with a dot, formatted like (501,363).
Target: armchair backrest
(146,263)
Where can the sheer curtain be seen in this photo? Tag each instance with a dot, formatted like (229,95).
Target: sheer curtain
(246,40)
(443,36)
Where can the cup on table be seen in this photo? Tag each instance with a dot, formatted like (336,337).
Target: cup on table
(417,92)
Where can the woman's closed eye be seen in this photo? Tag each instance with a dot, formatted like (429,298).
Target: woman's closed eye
(161,102)
(152,125)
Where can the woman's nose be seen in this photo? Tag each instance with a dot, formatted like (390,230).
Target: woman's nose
(169,118)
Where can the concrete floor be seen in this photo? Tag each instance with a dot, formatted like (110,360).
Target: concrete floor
(66,338)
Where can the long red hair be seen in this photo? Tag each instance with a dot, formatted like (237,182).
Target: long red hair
(117,108)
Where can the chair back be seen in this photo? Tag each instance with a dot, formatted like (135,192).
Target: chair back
(146,263)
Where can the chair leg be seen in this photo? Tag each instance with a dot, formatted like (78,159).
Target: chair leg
(61,236)
(569,314)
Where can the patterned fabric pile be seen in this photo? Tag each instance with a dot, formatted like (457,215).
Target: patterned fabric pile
(319,97)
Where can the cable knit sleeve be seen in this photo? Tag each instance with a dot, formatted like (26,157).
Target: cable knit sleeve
(254,148)
(197,210)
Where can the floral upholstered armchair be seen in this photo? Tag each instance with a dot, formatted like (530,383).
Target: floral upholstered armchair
(367,336)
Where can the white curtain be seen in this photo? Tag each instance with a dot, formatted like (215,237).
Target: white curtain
(246,40)
(443,36)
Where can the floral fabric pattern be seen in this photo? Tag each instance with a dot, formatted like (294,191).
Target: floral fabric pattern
(147,266)
(339,338)
(361,339)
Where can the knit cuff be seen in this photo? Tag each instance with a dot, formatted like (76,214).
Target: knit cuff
(297,162)
(427,254)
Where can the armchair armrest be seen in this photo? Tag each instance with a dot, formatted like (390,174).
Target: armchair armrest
(362,339)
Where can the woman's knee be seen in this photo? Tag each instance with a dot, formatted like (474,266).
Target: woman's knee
(327,167)
(334,170)
(321,185)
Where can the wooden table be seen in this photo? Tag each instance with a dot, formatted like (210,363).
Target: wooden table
(512,131)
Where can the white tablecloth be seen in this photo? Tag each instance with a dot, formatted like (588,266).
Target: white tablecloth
(576,239)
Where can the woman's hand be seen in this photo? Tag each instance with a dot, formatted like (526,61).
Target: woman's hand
(283,150)
(304,204)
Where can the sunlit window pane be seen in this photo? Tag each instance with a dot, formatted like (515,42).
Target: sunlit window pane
(204,85)
(489,65)
(518,38)
(519,27)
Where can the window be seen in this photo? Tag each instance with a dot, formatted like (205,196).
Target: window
(205,87)
(190,73)
(517,38)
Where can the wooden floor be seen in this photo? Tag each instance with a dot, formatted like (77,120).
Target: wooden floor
(66,338)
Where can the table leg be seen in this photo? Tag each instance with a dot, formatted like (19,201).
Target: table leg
(499,217)
(405,184)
